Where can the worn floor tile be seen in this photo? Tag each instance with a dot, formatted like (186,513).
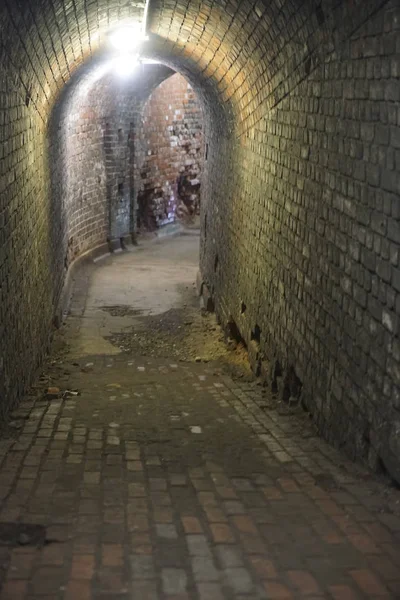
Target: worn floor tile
(169,479)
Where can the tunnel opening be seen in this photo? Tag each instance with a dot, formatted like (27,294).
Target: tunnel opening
(169,156)
(99,161)
(299,189)
(127,156)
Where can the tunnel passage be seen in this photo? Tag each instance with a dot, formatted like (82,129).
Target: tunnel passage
(169,155)
(300,194)
(124,157)
(94,144)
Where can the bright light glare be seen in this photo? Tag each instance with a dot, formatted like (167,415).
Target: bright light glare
(125,64)
(127,38)
(149,61)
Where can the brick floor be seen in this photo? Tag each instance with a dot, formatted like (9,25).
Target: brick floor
(139,506)
(169,480)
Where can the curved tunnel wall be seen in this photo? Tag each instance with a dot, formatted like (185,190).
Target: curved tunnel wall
(301,233)
(42,46)
(301,189)
(92,136)
(118,145)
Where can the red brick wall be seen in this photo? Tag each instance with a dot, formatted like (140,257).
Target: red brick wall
(92,140)
(169,155)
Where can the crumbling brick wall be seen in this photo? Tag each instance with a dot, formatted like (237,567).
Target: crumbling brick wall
(169,155)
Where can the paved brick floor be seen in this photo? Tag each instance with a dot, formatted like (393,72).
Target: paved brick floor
(168,480)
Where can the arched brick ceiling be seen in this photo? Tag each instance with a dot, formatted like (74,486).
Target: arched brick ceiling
(44,41)
(253,51)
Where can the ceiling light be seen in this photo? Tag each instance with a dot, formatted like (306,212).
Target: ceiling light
(127,38)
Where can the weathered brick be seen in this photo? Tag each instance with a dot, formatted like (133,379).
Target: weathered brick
(169,155)
(344,219)
(265,192)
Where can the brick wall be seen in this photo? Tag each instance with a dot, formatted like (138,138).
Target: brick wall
(301,239)
(92,144)
(42,45)
(169,155)
(78,168)
(299,244)
(300,189)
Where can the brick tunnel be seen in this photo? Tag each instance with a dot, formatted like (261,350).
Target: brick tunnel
(299,158)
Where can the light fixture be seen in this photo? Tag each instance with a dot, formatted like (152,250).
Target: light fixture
(128,38)
(126,42)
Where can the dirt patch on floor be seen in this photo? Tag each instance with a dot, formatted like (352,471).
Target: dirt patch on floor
(186,334)
(122,311)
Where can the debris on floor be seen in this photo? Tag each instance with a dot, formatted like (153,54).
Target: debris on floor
(174,475)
